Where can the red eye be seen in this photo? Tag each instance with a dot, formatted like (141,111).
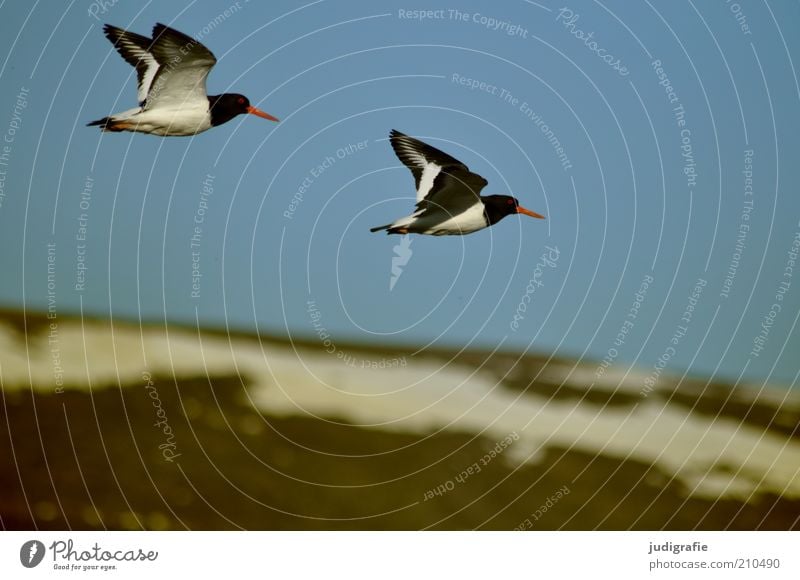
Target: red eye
(241,101)
(510,202)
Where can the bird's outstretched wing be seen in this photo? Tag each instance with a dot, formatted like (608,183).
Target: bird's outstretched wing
(135,49)
(430,167)
(171,67)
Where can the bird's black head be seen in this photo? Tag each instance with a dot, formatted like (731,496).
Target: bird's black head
(499,206)
(227,106)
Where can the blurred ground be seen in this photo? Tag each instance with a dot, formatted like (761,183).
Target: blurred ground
(88,456)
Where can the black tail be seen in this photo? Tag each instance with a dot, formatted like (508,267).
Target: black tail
(390,229)
(102,122)
(111,124)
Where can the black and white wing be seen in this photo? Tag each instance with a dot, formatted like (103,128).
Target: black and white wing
(429,166)
(184,64)
(171,67)
(135,49)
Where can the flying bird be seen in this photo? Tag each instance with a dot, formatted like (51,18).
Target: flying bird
(448,194)
(172,69)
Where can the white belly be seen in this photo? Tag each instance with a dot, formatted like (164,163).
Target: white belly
(464,223)
(181,122)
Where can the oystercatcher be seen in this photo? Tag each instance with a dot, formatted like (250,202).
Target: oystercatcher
(448,200)
(172,69)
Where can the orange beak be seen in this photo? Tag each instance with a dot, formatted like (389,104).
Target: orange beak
(262,114)
(533,214)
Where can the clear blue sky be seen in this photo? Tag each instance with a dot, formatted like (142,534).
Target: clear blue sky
(631,194)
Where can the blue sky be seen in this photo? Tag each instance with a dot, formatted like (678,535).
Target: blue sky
(641,188)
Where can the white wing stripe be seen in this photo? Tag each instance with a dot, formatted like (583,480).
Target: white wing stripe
(147,79)
(427,179)
(148,59)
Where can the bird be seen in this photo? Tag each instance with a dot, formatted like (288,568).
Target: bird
(171,69)
(448,200)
